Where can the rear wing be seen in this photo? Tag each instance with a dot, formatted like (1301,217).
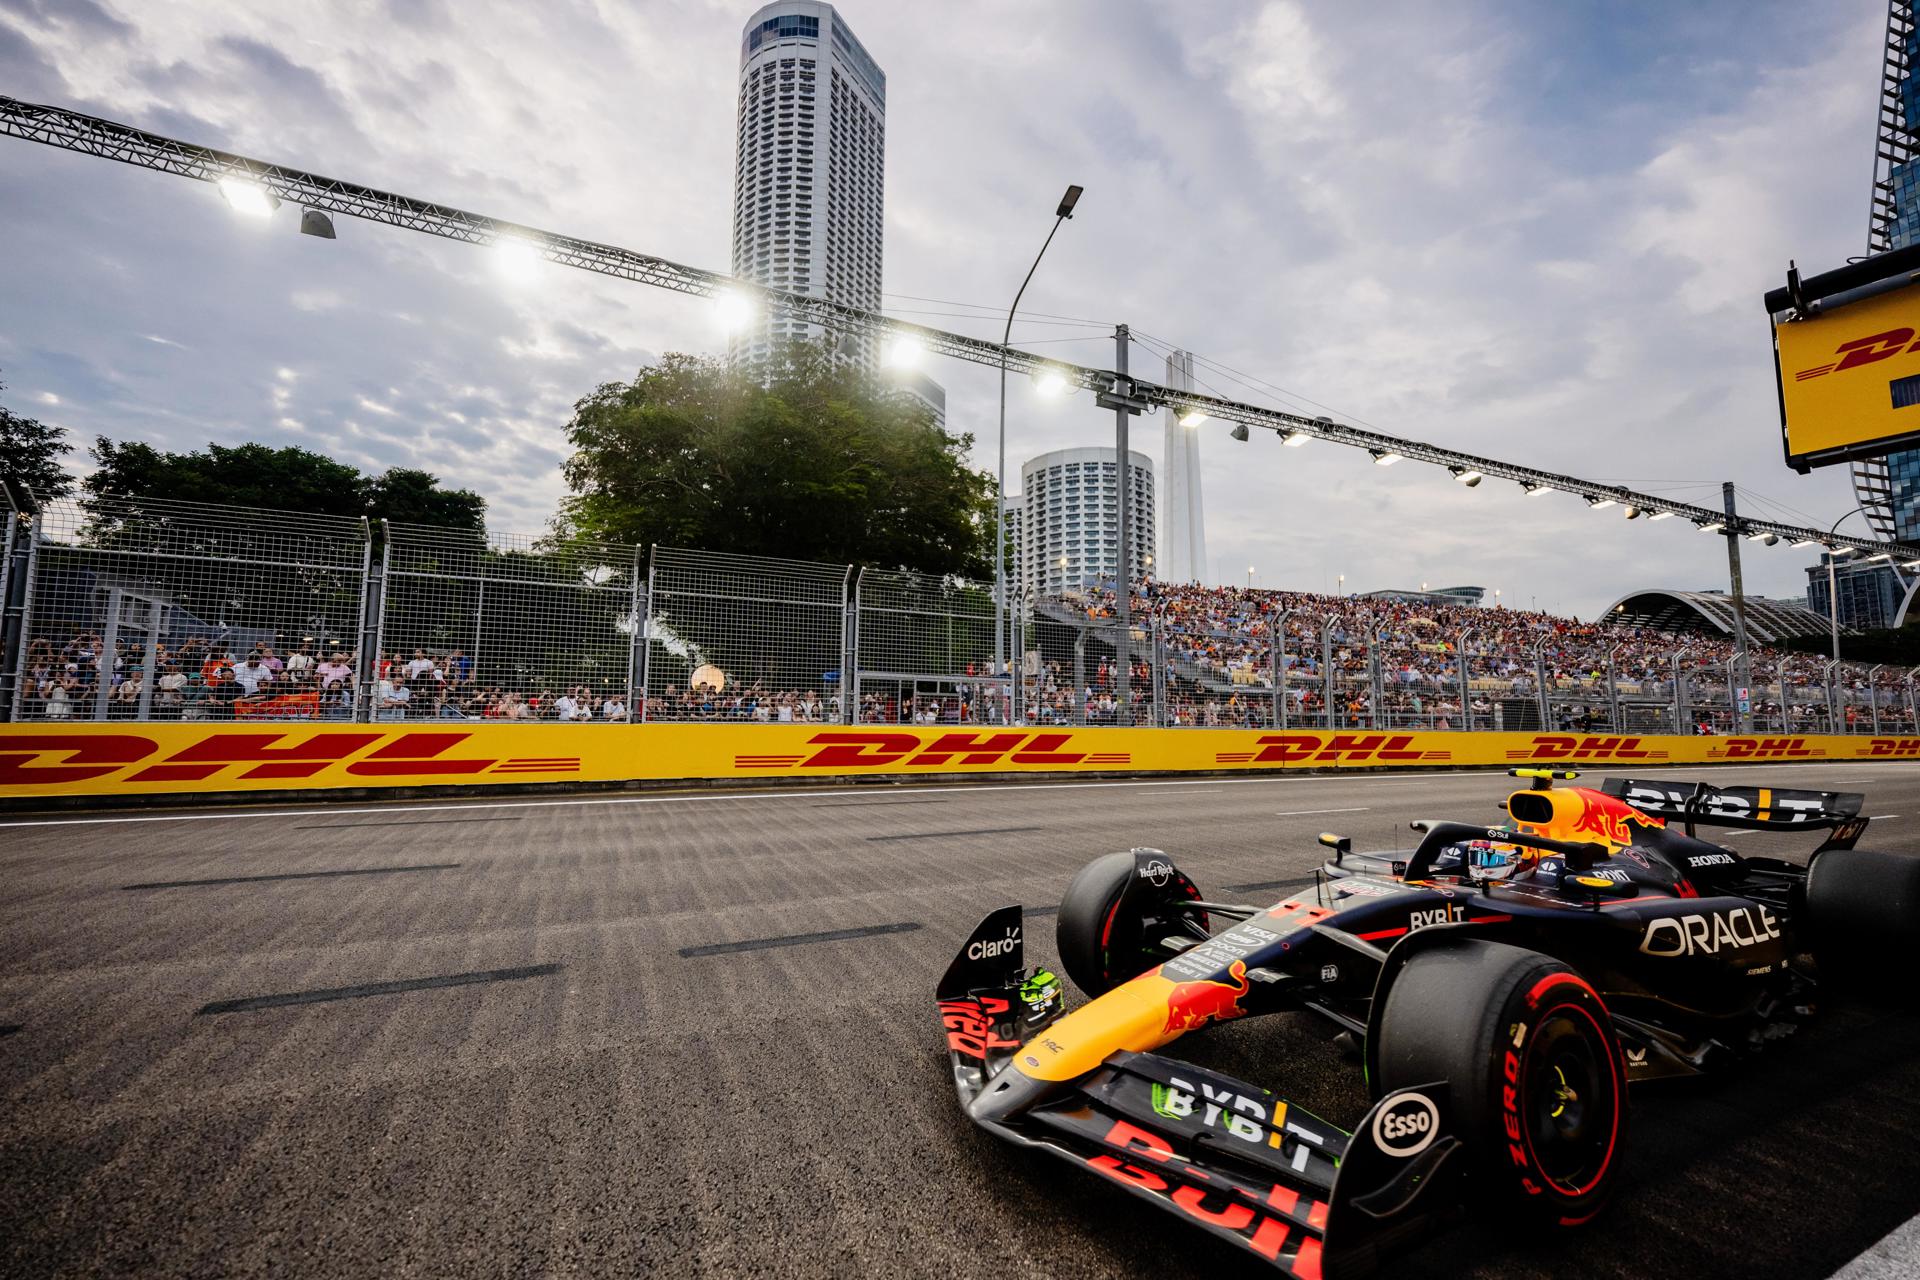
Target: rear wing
(1749,808)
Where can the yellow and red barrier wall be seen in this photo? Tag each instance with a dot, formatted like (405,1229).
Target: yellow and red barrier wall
(51,760)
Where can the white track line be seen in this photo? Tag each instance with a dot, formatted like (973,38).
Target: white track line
(1301,813)
(803,793)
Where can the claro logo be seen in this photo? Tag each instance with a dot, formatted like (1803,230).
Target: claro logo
(57,759)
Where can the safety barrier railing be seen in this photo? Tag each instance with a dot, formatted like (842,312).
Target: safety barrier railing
(134,609)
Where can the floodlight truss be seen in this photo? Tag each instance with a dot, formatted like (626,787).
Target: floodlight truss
(88,135)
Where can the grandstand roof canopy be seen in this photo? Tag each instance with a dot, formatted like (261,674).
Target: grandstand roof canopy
(1711,613)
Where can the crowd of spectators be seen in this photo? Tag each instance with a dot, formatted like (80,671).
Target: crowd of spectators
(1393,663)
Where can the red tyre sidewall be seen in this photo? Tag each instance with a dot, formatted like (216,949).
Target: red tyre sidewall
(1554,996)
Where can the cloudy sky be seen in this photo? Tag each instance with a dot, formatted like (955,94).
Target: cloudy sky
(1538,232)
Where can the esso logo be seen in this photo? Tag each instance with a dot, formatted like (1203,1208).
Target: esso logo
(1406,1125)
(987,949)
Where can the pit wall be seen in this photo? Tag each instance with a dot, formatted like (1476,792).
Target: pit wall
(41,761)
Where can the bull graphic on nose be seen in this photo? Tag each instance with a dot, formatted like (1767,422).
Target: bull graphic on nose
(1194,1004)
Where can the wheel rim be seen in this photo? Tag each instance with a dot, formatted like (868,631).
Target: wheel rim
(1571,1107)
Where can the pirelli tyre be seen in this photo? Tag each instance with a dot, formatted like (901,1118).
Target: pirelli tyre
(1117,915)
(1863,906)
(1538,1082)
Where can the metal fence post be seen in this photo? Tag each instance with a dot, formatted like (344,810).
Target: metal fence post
(850,646)
(1159,651)
(1540,673)
(1378,692)
(1615,720)
(1080,628)
(1733,690)
(1679,694)
(646,640)
(1826,682)
(1466,678)
(10,643)
(1326,668)
(369,680)
(1913,708)
(635,621)
(1280,670)
(1873,693)
(24,630)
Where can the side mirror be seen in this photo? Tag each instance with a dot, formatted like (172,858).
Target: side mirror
(1341,845)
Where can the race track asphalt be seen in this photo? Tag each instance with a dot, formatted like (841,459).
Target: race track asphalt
(218,1053)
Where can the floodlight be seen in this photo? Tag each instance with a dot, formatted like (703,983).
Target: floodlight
(905,352)
(1661,515)
(1805,542)
(1535,490)
(249,198)
(1294,439)
(1837,552)
(1191,417)
(315,223)
(1239,431)
(1884,555)
(1633,513)
(1067,202)
(1466,476)
(733,310)
(1710,526)
(1599,504)
(516,259)
(1049,381)
(1384,457)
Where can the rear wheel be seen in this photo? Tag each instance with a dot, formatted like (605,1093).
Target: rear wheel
(1117,913)
(1538,1084)
(1862,905)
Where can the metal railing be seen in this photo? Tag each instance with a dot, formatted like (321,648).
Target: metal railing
(150,610)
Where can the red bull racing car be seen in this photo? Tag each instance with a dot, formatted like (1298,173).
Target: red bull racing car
(1503,985)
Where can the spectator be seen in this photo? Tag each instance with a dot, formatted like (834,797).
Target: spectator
(613,708)
(253,676)
(392,697)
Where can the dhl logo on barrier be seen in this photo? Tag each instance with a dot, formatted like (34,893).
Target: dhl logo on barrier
(181,758)
(835,750)
(1334,748)
(31,759)
(1554,746)
(1762,749)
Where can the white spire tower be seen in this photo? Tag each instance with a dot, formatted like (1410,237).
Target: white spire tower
(1180,486)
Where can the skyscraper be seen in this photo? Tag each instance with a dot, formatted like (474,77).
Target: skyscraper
(1069,523)
(809,171)
(1186,516)
(1889,487)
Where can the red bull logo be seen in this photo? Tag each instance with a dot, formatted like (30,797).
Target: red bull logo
(1611,819)
(1191,1005)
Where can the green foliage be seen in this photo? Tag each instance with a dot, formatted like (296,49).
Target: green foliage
(818,462)
(30,453)
(287,479)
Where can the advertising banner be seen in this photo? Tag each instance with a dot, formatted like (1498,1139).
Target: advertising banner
(39,760)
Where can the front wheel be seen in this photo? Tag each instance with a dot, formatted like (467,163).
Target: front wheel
(1861,907)
(1117,914)
(1538,1083)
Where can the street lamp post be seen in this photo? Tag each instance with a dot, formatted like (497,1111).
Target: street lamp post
(1060,215)
(1833,596)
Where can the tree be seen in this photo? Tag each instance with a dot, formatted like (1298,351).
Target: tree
(817,462)
(287,479)
(30,453)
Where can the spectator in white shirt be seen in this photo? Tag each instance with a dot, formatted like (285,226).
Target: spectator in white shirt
(252,676)
(420,665)
(614,708)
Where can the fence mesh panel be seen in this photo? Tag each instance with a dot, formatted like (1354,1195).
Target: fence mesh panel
(147,609)
(745,638)
(506,627)
(142,609)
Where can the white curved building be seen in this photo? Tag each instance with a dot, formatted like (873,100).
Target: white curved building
(810,168)
(1069,523)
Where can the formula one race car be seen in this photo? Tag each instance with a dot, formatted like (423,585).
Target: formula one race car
(1502,985)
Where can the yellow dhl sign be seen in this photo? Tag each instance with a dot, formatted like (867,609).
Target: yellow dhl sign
(162,759)
(1850,379)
